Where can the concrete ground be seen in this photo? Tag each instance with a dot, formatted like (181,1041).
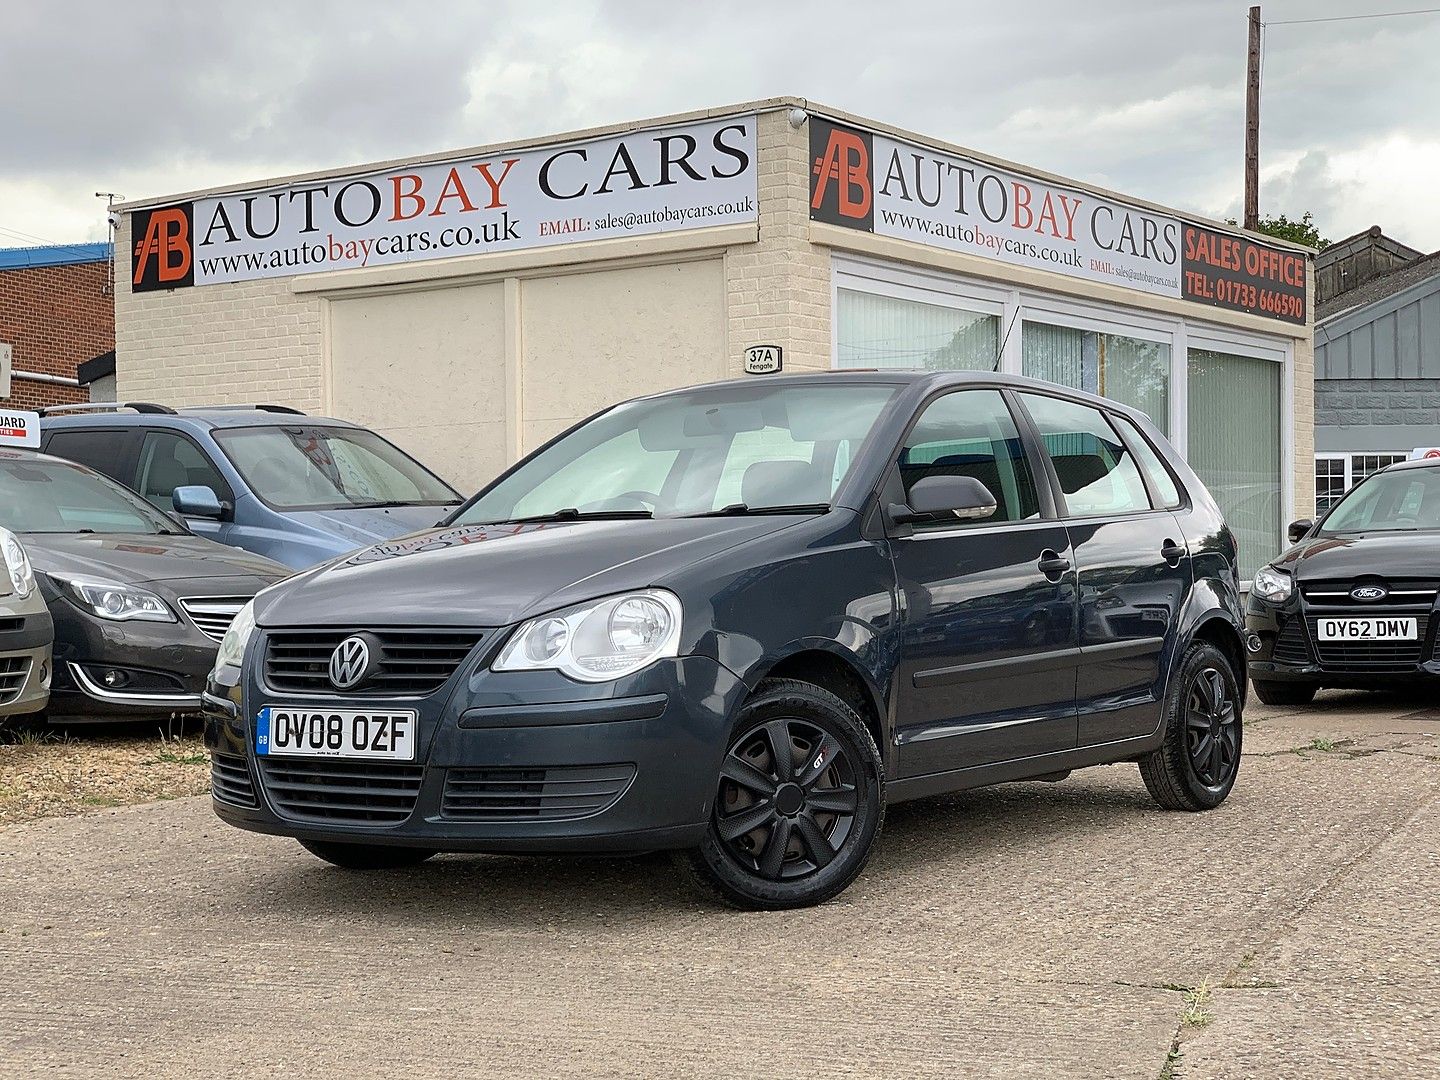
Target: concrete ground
(1028,930)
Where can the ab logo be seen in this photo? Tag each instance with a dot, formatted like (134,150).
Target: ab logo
(162,257)
(840,186)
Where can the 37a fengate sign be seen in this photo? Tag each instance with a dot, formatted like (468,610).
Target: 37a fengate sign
(686,176)
(865,180)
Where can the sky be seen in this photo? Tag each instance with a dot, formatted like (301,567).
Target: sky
(1146,98)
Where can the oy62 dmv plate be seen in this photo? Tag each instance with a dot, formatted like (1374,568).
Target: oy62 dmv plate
(339,733)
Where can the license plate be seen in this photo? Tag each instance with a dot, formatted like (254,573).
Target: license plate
(338,733)
(1366,629)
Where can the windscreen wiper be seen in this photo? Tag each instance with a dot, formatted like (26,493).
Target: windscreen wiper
(740,509)
(570,513)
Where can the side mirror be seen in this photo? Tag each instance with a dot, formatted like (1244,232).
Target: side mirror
(939,497)
(1298,529)
(197,500)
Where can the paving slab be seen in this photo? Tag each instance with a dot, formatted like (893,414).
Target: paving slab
(1047,930)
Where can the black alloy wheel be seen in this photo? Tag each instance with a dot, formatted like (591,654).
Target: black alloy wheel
(1196,766)
(1212,726)
(798,804)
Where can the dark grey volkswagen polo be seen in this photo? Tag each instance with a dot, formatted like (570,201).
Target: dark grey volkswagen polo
(737,620)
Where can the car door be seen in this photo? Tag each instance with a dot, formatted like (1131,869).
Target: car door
(1133,565)
(988,642)
(169,459)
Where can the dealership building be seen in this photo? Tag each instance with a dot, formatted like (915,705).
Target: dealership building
(471,304)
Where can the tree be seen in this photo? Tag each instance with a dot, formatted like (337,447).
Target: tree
(1300,231)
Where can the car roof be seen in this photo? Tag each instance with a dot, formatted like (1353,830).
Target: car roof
(197,419)
(926,381)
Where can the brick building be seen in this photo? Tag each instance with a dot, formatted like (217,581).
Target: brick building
(471,304)
(56,312)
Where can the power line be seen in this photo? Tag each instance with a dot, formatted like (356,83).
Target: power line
(1352,18)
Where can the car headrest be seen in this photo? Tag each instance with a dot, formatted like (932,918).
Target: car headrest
(782,483)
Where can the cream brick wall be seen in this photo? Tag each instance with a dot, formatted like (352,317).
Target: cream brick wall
(778,289)
(253,341)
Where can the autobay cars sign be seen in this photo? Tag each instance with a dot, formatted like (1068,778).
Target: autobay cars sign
(19,428)
(660,180)
(869,181)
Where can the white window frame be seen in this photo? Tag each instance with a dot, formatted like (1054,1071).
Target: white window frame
(1347,461)
(1014,304)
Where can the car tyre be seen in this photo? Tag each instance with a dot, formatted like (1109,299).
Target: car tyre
(799,802)
(1284,693)
(366,856)
(1195,768)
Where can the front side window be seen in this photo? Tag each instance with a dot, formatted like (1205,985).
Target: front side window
(168,461)
(1097,472)
(329,468)
(1405,500)
(747,449)
(971,433)
(55,497)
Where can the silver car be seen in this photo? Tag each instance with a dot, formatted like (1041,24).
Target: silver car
(26,633)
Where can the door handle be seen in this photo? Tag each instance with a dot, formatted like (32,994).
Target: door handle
(1052,563)
(1172,552)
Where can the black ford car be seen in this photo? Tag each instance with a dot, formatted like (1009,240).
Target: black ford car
(139,603)
(736,621)
(1352,603)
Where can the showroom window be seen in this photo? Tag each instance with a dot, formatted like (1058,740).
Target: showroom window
(1129,370)
(1235,446)
(881,331)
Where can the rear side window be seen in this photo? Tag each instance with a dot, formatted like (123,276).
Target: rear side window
(1154,468)
(168,461)
(1097,472)
(106,450)
(971,433)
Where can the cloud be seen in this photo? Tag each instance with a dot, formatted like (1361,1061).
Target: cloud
(1145,99)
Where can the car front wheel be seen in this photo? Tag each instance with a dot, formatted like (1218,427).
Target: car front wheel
(1196,766)
(799,802)
(366,856)
(1284,693)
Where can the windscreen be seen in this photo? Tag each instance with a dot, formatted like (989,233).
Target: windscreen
(1402,500)
(323,468)
(40,496)
(744,448)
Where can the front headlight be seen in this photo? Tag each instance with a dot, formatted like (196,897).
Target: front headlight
(232,645)
(1273,585)
(17,564)
(600,640)
(119,603)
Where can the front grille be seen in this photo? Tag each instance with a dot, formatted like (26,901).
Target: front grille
(411,662)
(230,780)
(1402,593)
(533,794)
(213,615)
(357,792)
(14,670)
(1290,647)
(1367,656)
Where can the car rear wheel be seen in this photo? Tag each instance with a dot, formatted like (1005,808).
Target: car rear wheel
(799,804)
(1196,766)
(1284,693)
(366,856)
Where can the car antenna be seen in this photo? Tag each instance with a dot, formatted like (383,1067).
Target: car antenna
(1001,351)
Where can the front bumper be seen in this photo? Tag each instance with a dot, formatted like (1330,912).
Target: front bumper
(1281,647)
(658,737)
(25,664)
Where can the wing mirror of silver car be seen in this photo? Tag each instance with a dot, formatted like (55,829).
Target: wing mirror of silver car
(940,497)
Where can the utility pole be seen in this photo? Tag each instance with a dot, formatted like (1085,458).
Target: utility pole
(1252,124)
